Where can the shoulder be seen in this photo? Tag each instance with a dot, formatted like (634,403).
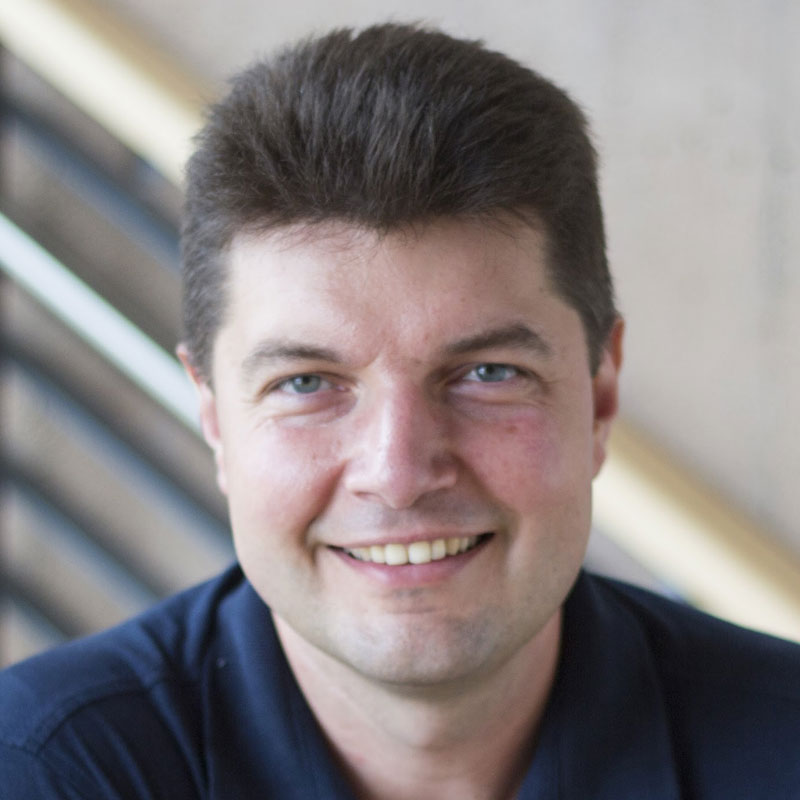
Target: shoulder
(691,646)
(122,684)
(729,697)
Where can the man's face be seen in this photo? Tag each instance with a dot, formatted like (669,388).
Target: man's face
(424,397)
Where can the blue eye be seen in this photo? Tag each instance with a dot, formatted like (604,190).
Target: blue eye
(303,384)
(492,373)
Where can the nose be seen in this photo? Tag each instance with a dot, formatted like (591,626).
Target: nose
(402,450)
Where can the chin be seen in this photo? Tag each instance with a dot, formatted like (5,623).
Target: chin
(421,653)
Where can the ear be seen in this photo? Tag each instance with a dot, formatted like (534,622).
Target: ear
(605,391)
(209,418)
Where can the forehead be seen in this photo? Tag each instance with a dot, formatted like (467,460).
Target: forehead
(410,289)
(460,253)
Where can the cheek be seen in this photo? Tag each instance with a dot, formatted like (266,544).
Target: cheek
(533,461)
(279,479)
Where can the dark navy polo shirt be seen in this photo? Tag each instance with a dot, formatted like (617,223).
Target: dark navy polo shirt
(194,699)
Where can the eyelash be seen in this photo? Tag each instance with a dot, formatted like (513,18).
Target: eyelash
(492,365)
(289,385)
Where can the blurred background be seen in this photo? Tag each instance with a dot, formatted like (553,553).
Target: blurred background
(108,500)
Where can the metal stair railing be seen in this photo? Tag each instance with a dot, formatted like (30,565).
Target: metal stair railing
(70,541)
(99,323)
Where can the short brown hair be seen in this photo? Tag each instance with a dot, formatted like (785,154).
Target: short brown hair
(392,126)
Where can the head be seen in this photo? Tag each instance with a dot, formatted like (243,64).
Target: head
(399,318)
(386,129)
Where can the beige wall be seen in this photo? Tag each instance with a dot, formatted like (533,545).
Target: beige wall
(696,108)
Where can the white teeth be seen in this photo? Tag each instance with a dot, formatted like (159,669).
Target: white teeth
(396,554)
(422,552)
(419,552)
(377,554)
(438,549)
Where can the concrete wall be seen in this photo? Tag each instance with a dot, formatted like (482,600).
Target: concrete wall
(696,109)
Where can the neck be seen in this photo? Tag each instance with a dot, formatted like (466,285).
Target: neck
(472,739)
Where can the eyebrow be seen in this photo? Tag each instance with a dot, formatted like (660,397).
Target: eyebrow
(516,335)
(285,350)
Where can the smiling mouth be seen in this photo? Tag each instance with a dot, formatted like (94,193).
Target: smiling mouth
(397,554)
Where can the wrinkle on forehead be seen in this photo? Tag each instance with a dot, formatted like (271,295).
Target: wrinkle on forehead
(429,269)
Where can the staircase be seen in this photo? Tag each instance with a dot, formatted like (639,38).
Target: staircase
(109,500)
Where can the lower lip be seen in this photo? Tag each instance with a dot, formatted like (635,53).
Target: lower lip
(407,575)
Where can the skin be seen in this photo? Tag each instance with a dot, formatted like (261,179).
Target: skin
(370,390)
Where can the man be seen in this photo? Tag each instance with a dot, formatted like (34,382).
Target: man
(400,323)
